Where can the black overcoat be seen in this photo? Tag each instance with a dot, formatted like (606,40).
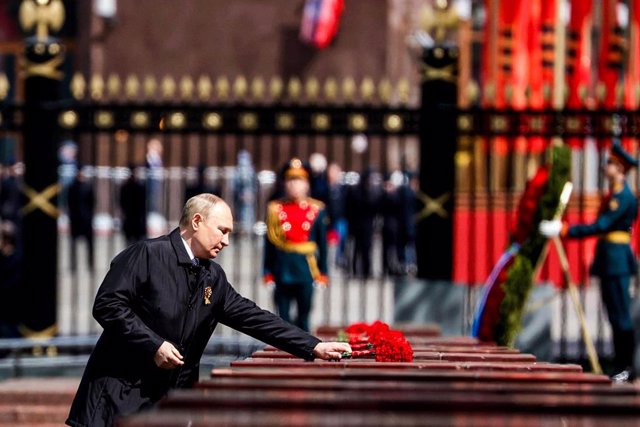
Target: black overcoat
(151,294)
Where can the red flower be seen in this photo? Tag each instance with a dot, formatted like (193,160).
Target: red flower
(388,345)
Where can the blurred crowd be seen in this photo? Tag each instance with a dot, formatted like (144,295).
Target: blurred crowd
(361,206)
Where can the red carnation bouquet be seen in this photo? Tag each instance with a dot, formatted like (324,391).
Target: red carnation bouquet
(377,340)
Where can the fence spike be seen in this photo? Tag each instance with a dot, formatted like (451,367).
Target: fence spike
(186,87)
(489,94)
(131,86)
(204,88)
(367,88)
(330,89)
(222,88)
(4,86)
(312,88)
(257,88)
(601,91)
(348,88)
(149,86)
(294,88)
(404,90)
(240,86)
(96,87)
(275,87)
(546,92)
(385,90)
(473,91)
(78,86)
(508,93)
(619,93)
(168,87)
(113,85)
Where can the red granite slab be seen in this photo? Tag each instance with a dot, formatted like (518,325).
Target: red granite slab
(417,365)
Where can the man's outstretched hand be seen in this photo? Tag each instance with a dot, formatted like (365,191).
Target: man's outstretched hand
(331,350)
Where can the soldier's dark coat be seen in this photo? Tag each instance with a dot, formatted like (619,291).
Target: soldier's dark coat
(614,262)
(151,294)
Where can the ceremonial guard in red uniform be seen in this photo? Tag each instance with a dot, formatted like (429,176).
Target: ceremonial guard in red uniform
(295,254)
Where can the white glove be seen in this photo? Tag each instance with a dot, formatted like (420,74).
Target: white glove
(550,228)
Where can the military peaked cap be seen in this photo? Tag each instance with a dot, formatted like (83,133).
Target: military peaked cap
(625,159)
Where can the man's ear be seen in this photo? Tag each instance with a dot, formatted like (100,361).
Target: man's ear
(195,220)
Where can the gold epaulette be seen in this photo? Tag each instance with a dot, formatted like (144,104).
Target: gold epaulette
(315,202)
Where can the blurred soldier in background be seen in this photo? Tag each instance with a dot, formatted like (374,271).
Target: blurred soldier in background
(295,254)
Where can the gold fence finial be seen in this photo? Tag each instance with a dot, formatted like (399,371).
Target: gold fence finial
(276,86)
(348,88)
(96,87)
(131,86)
(113,85)
(78,86)
(367,89)
(330,89)
(4,86)
(404,90)
(44,15)
(240,87)
(149,86)
(473,91)
(204,88)
(294,88)
(257,88)
(619,93)
(385,90)
(312,88)
(222,88)
(168,87)
(186,87)
(601,92)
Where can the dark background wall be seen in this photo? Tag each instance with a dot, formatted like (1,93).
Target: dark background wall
(248,37)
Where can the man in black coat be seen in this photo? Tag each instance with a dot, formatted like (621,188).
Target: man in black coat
(158,310)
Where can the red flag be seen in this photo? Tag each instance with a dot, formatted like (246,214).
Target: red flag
(579,52)
(611,47)
(320,21)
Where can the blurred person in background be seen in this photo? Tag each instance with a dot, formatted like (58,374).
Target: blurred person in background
(200,185)
(81,211)
(393,224)
(68,157)
(10,194)
(295,254)
(133,197)
(155,175)
(11,273)
(363,208)
(336,211)
(318,179)
(245,191)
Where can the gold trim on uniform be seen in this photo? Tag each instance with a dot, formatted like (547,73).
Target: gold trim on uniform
(614,204)
(617,237)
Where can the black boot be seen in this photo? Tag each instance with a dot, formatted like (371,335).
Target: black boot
(624,343)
